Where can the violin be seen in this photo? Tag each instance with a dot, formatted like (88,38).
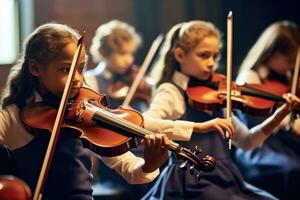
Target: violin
(278,87)
(250,98)
(105,131)
(119,89)
(13,188)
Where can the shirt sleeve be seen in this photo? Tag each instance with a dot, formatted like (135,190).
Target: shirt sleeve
(247,138)
(129,167)
(12,132)
(167,106)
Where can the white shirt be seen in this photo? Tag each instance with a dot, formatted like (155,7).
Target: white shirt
(168,105)
(14,135)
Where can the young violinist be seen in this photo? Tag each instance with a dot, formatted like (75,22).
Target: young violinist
(40,76)
(270,62)
(114,47)
(190,53)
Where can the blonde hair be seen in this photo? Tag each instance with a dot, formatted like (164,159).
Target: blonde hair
(282,37)
(42,45)
(111,36)
(185,36)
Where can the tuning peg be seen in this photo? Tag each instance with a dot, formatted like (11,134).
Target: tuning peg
(183,166)
(197,150)
(191,169)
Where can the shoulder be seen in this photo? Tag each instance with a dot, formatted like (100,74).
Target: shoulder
(169,98)
(10,116)
(169,88)
(12,131)
(169,92)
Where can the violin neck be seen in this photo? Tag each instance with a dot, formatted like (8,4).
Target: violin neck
(102,117)
(251,91)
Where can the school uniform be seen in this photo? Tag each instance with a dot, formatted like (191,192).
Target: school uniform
(165,115)
(69,175)
(100,79)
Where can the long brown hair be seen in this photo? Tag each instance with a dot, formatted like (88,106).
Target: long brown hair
(282,37)
(42,45)
(185,36)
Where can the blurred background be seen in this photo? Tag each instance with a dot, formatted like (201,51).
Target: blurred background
(149,17)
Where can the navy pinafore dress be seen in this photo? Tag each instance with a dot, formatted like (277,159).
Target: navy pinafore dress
(106,175)
(225,182)
(69,174)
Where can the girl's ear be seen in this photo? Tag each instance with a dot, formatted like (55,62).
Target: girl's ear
(34,67)
(179,54)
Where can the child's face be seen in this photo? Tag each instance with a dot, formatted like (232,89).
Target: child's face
(200,61)
(119,61)
(53,76)
(281,63)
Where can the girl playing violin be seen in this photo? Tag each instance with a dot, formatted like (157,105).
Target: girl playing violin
(276,166)
(40,75)
(191,51)
(113,48)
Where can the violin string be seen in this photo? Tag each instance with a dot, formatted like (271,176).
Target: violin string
(127,125)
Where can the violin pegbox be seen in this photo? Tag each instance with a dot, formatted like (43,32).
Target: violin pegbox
(196,166)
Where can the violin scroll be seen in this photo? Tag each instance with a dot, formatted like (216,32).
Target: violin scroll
(193,164)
